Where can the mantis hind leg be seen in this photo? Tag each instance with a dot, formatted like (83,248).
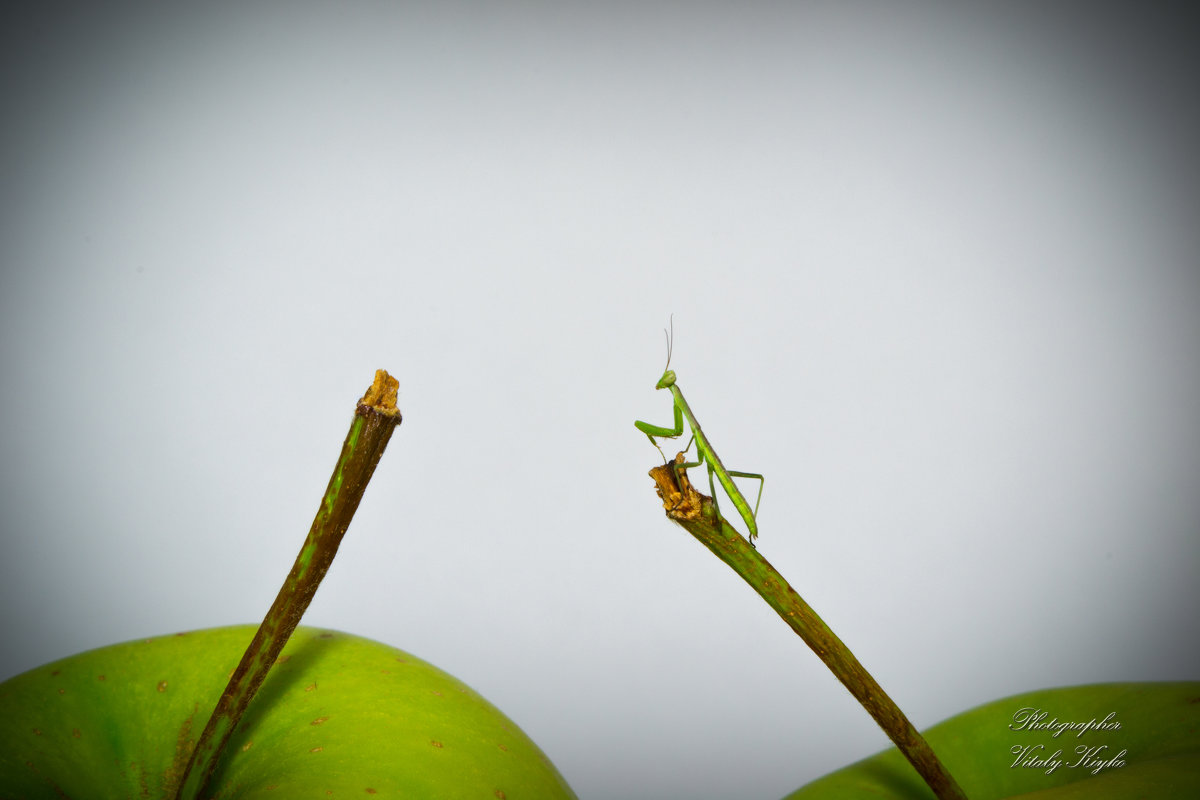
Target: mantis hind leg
(761,482)
(752,520)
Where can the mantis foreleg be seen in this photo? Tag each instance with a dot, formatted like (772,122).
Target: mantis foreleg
(667,433)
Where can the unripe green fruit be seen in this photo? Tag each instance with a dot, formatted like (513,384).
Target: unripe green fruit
(338,716)
(1152,752)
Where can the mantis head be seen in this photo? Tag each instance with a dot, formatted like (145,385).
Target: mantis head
(668,378)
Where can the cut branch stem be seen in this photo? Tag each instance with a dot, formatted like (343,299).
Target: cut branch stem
(695,513)
(375,417)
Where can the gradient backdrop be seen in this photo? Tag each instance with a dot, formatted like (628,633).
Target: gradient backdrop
(933,272)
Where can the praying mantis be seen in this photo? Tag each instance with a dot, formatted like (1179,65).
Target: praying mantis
(704,450)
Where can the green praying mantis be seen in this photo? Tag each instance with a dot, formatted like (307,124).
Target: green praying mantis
(708,457)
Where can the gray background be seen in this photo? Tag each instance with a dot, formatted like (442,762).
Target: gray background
(932,271)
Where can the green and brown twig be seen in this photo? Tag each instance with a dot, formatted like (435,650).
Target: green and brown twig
(696,514)
(375,417)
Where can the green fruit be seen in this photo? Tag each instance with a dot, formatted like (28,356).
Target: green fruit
(338,716)
(1155,753)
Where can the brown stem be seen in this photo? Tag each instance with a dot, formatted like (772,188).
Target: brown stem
(375,417)
(697,515)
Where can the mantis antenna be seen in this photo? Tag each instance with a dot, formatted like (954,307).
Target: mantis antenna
(670,339)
